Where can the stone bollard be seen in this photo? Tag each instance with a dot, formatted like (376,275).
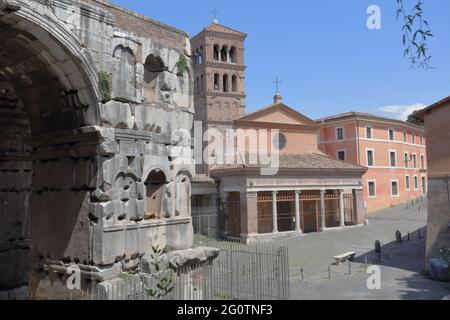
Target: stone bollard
(398,237)
(378,249)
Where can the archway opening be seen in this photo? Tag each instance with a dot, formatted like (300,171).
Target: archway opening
(216,53)
(224,54)
(154,194)
(47,92)
(233,55)
(152,69)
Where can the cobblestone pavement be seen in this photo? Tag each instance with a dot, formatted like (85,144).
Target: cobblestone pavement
(401,265)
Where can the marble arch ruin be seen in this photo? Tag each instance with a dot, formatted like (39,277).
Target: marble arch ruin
(90,165)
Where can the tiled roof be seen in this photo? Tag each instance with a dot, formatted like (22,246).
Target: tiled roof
(312,161)
(215,27)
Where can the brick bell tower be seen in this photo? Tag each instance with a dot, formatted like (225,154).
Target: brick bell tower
(219,77)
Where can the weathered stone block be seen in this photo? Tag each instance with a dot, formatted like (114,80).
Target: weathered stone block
(14,266)
(439,270)
(116,115)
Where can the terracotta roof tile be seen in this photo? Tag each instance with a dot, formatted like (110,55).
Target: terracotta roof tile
(313,161)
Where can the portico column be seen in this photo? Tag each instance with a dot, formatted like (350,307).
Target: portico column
(297,212)
(341,208)
(322,209)
(274,212)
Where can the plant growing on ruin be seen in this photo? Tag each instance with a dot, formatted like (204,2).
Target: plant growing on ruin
(105,86)
(164,283)
(182,66)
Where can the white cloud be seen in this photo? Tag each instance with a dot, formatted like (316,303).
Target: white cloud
(400,112)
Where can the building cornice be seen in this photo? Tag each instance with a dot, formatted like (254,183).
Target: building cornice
(224,65)
(368,119)
(291,172)
(398,142)
(225,35)
(211,93)
(275,125)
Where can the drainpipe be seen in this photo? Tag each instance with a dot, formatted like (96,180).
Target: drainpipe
(358,155)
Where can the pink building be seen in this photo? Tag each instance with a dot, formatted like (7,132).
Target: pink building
(394,151)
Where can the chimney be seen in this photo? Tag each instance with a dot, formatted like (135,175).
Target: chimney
(277,98)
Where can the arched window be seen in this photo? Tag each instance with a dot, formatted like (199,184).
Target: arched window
(154,194)
(216,53)
(197,58)
(196,85)
(216,81)
(124,76)
(201,83)
(234,83)
(152,68)
(224,54)
(201,55)
(233,55)
(225,83)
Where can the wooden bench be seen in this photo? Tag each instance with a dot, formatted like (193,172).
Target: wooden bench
(344,257)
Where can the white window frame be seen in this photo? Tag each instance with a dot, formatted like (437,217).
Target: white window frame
(408,187)
(337,133)
(373,157)
(406,164)
(371,132)
(368,188)
(345,154)
(426,184)
(405,136)
(422,161)
(389,134)
(398,189)
(421,140)
(396,160)
(413,139)
(414,160)
(416,186)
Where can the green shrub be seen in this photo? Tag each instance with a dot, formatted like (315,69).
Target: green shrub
(105,86)
(182,66)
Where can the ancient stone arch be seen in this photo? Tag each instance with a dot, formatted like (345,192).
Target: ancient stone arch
(48,85)
(73,169)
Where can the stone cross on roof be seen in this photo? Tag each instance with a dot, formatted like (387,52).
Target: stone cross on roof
(277,83)
(215,13)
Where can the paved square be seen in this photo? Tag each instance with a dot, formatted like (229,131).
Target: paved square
(401,265)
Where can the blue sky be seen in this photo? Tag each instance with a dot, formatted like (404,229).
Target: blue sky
(322,51)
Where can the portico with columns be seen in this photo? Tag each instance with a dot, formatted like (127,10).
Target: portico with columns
(292,203)
(307,192)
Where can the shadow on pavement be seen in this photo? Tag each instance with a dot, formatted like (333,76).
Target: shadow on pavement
(408,255)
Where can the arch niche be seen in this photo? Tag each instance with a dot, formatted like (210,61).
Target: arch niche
(48,92)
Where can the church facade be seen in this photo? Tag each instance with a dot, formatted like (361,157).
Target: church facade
(301,190)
